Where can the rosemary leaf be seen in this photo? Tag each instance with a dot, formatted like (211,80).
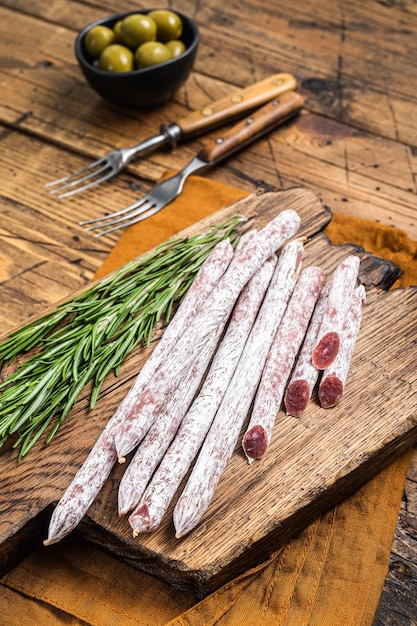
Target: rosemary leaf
(92,334)
(77,388)
(38,396)
(29,336)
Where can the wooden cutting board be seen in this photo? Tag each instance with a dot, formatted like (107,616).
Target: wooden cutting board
(313,463)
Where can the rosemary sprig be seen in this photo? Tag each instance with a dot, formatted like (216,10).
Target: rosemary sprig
(88,336)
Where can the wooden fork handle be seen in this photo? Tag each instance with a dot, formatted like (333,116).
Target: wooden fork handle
(259,123)
(237,104)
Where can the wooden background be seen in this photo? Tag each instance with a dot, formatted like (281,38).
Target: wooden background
(355,145)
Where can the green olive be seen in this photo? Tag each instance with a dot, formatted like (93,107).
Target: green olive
(138,28)
(151,53)
(97,39)
(116,58)
(117,29)
(169,24)
(176,47)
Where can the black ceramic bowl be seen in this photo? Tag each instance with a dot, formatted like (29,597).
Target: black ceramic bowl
(144,88)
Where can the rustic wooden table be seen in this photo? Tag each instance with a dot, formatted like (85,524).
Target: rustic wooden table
(354,146)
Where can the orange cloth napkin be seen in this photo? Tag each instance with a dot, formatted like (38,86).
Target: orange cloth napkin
(331,573)
(202,198)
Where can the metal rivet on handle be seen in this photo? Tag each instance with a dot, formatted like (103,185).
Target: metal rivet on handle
(206,112)
(249,120)
(277,81)
(236,99)
(219,140)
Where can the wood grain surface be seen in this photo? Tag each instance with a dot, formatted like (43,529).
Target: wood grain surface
(355,146)
(313,462)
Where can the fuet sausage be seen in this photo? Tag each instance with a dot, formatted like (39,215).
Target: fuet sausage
(224,431)
(340,294)
(183,449)
(334,377)
(305,375)
(246,261)
(95,470)
(280,361)
(155,443)
(205,281)
(154,396)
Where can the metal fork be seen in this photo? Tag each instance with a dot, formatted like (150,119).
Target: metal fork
(259,123)
(232,107)
(110,164)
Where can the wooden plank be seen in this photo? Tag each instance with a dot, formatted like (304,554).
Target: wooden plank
(354,173)
(343,54)
(51,99)
(44,254)
(332,53)
(351,172)
(398,596)
(331,49)
(36,228)
(313,466)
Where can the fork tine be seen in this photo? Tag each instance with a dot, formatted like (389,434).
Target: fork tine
(66,179)
(80,179)
(103,218)
(139,218)
(142,206)
(93,183)
(73,186)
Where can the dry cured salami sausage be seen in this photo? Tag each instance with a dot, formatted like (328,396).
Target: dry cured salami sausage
(280,361)
(305,375)
(218,306)
(94,472)
(224,431)
(158,438)
(179,456)
(84,487)
(340,294)
(206,279)
(333,380)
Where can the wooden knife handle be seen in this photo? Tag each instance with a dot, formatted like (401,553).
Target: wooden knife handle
(237,103)
(252,127)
